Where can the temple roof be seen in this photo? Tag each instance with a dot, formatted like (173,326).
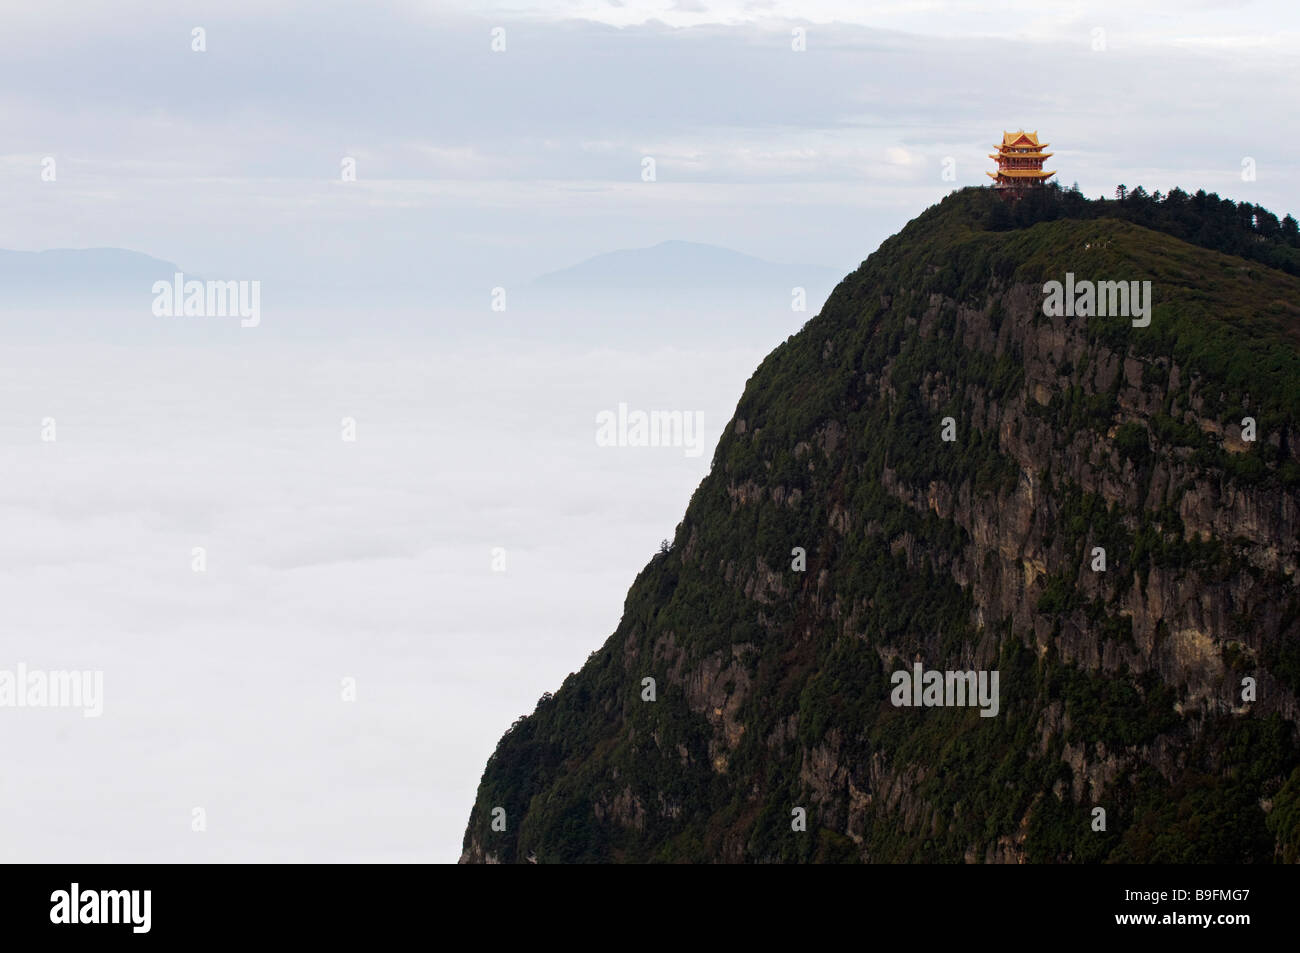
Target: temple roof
(1020,173)
(1011,138)
(1021,155)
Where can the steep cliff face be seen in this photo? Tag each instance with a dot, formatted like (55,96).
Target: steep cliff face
(1121,683)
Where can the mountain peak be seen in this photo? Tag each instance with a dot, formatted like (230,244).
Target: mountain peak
(939,478)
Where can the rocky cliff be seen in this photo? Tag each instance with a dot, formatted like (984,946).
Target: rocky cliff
(934,470)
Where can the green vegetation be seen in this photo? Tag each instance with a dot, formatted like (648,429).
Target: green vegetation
(912,549)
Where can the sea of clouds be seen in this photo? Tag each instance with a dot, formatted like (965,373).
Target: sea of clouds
(325,560)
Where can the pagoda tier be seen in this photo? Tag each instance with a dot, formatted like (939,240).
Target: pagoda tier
(1021,173)
(1020,159)
(1025,155)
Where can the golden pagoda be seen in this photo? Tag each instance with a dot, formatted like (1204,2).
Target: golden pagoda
(1020,161)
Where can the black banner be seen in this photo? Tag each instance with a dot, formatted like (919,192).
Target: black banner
(139,904)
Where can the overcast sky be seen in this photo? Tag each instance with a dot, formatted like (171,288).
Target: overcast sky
(477,167)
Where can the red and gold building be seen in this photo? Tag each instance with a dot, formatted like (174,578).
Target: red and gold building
(1020,161)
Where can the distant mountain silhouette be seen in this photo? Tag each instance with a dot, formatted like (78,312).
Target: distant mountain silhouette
(676,264)
(674,292)
(63,276)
